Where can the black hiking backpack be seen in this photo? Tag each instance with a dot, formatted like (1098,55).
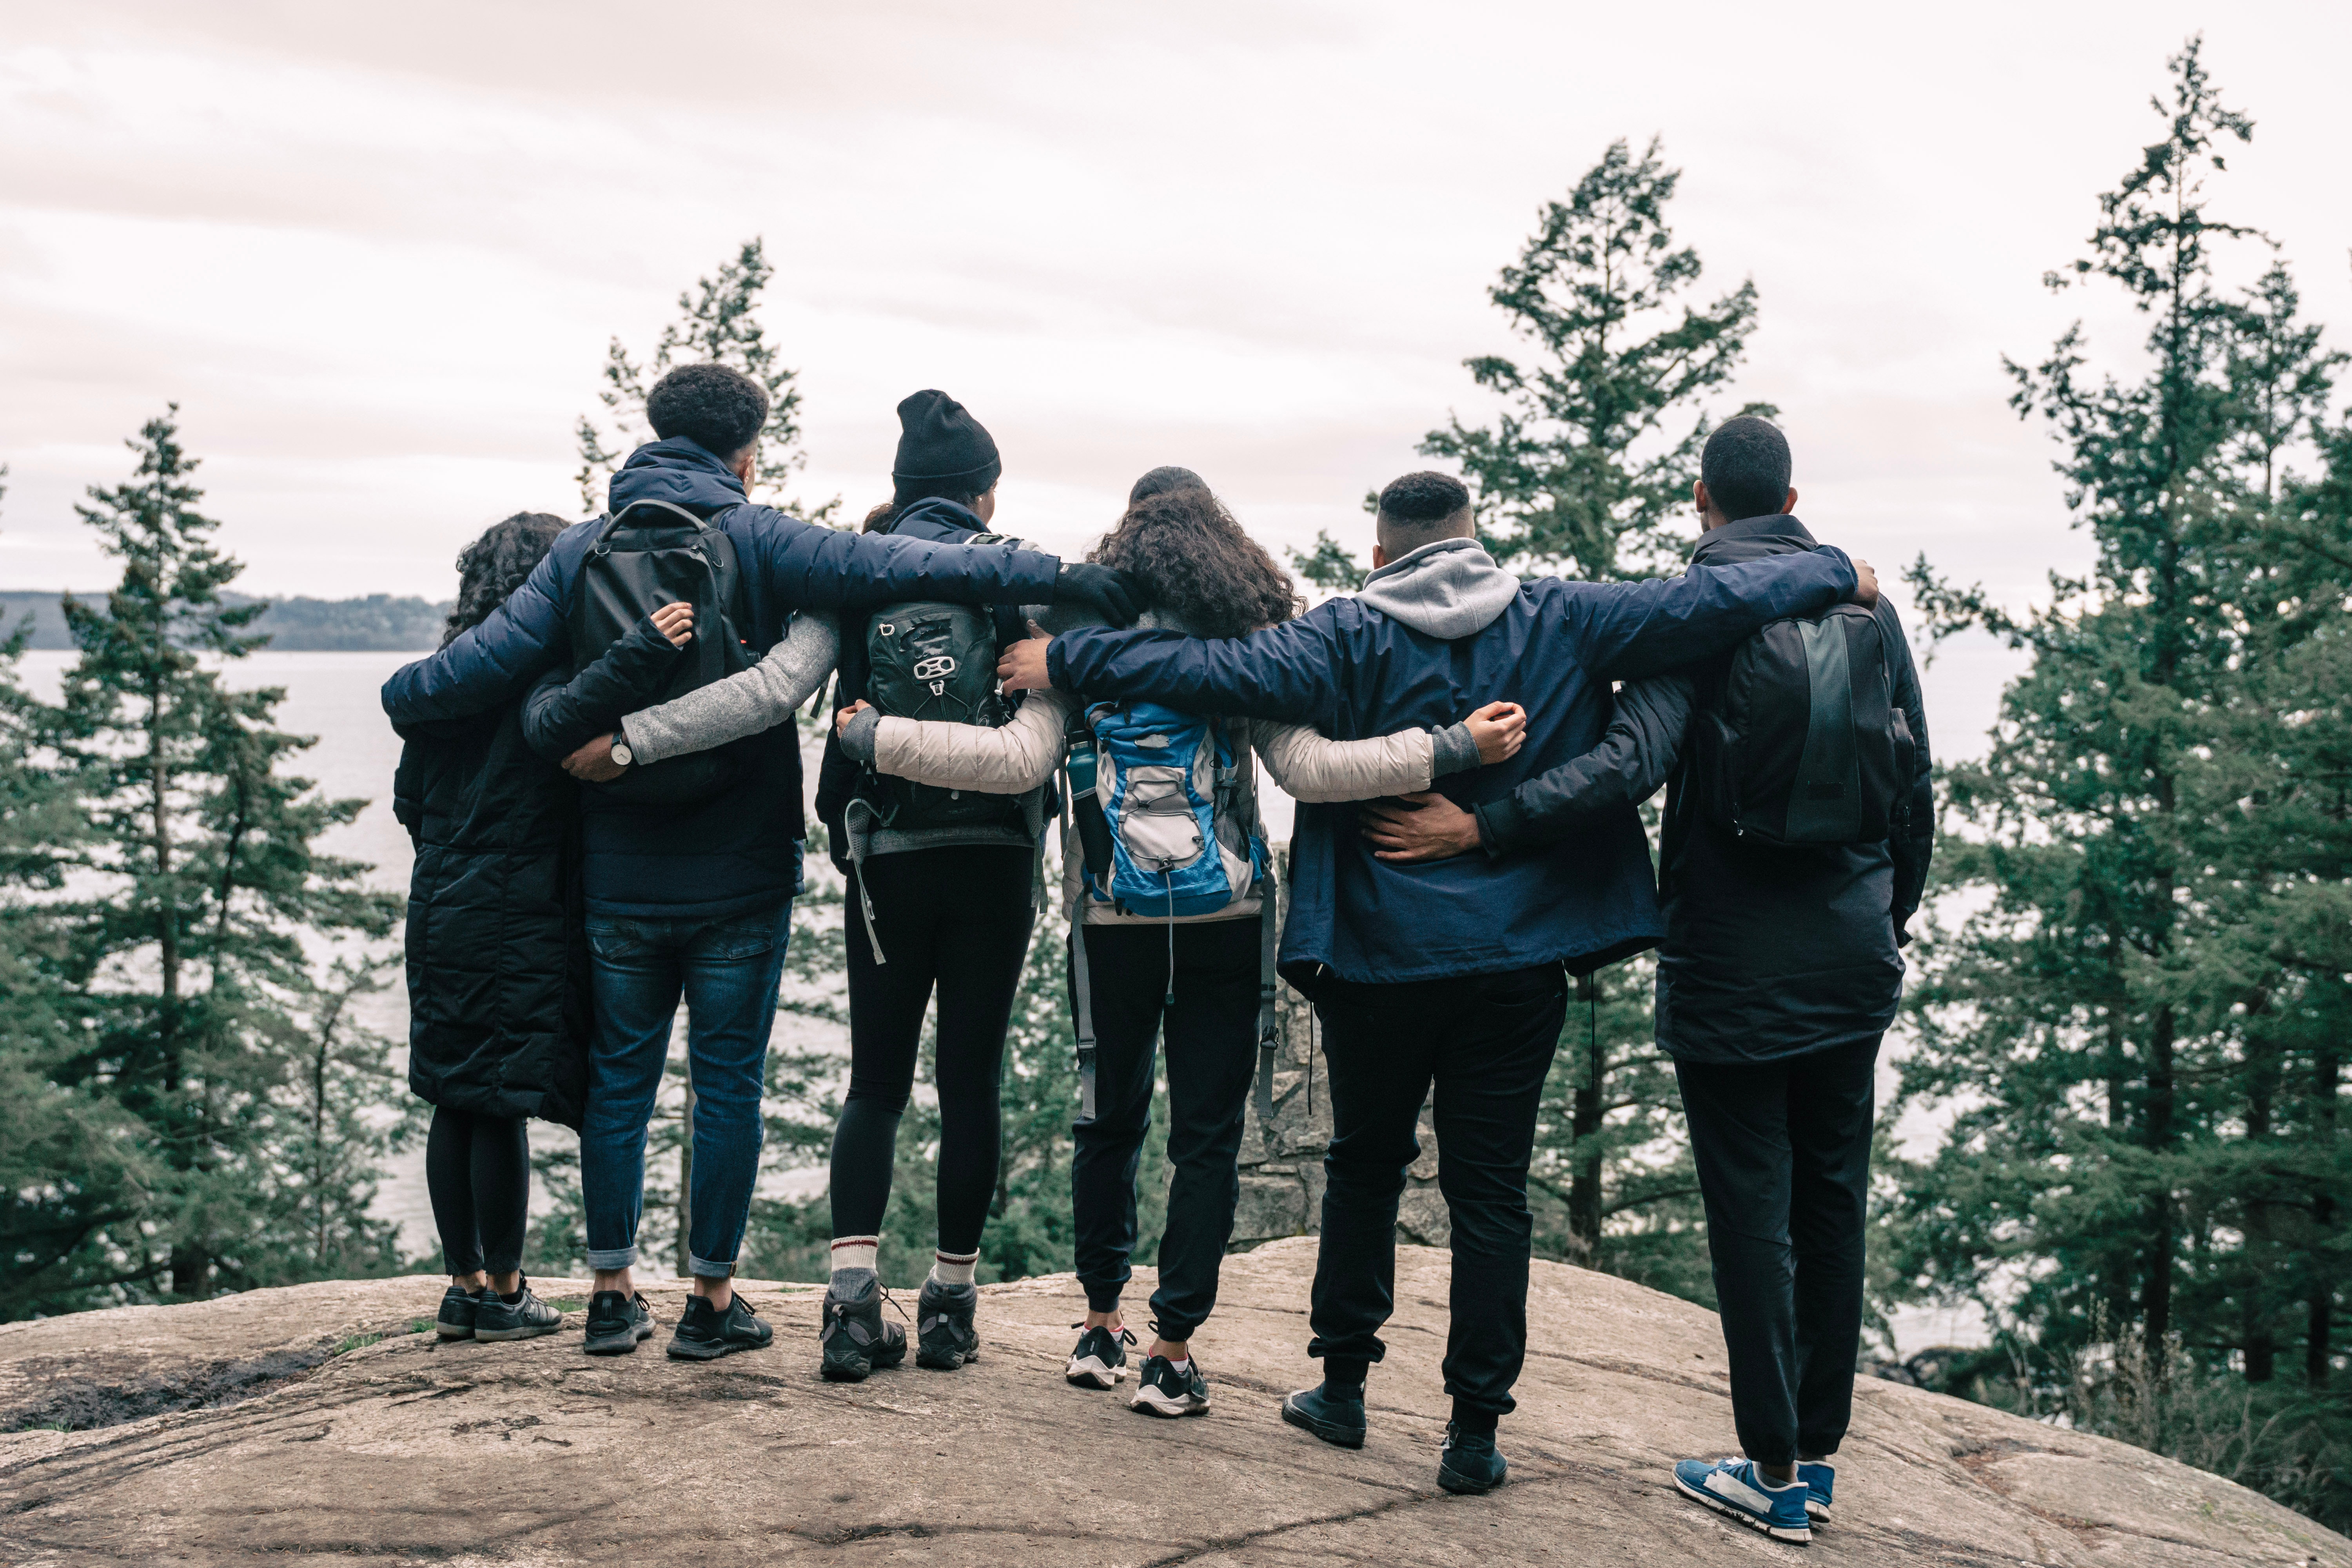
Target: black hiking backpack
(650,554)
(1802,743)
(932,660)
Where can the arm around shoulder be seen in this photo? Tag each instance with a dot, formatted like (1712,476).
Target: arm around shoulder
(1310,767)
(1009,760)
(745,703)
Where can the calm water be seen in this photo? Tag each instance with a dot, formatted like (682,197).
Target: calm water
(333,696)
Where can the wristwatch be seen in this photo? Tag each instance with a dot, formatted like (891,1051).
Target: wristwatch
(621,752)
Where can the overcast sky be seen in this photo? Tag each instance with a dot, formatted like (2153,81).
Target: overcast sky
(376,253)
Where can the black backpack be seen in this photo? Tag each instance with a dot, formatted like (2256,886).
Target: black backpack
(931,660)
(650,554)
(1802,743)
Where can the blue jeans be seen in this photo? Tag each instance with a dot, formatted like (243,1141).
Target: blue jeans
(727,970)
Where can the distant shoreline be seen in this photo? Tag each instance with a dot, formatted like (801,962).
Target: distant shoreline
(377,623)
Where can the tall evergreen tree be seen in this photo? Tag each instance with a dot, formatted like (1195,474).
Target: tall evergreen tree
(2137,1024)
(196,894)
(718,322)
(1589,462)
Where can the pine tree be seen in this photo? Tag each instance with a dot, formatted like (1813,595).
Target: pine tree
(198,893)
(1330,566)
(718,322)
(1587,463)
(2139,1025)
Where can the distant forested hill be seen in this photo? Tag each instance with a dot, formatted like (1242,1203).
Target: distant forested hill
(378,622)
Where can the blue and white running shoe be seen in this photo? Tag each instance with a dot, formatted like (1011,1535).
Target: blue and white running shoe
(1817,1478)
(1736,1488)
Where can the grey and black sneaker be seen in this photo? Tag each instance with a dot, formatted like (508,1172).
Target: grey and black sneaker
(617,1323)
(705,1333)
(524,1318)
(856,1338)
(1100,1359)
(459,1308)
(1161,1390)
(944,1336)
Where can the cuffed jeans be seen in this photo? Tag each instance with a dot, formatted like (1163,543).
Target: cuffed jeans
(1783,1155)
(1486,1041)
(727,970)
(1211,1029)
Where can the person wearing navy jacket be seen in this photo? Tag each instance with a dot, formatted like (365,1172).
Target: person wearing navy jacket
(697,901)
(1450,973)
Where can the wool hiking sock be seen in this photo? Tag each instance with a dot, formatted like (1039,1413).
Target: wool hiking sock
(952,1268)
(856,1252)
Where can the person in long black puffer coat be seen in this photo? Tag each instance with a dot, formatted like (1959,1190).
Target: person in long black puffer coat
(498,958)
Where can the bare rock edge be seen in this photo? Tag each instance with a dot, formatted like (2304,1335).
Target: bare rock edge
(404,1451)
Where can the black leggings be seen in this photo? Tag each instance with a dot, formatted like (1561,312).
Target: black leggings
(958,917)
(478,1169)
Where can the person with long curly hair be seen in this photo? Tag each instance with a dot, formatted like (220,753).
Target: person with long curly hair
(1196,977)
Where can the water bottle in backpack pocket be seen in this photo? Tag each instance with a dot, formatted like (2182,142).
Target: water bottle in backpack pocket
(1168,784)
(1802,743)
(650,554)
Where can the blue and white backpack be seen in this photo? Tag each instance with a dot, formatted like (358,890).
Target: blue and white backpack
(1171,790)
(1165,808)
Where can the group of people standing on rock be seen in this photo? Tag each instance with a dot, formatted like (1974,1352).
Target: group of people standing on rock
(603,779)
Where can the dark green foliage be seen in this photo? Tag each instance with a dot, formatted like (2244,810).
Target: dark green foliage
(1330,565)
(1588,464)
(2138,1027)
(184,943)
(718,322)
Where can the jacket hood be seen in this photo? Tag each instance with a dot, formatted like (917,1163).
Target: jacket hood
(1449,590)
(934,517)
(679,471)
(1752,539)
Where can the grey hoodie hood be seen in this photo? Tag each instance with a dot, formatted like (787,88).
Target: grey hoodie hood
(1451,589)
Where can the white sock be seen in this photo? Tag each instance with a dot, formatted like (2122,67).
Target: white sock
(1181,1366)
(856,1252)
(954,1268)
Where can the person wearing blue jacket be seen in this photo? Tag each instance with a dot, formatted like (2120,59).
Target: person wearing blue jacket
(1452,972)
(697,902)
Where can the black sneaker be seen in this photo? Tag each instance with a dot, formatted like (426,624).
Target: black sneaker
(459,1309)
(855,1339)
(1161,1390)
(705,1333)
(1100,1359)
(525,1318)
(1336,1418)
(617,1323)
(1469,1465)
(944,1336)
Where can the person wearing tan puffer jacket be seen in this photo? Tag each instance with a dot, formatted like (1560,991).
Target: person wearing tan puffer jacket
(1196,977)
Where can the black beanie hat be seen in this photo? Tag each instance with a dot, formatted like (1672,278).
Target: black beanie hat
(940,440)
(1161,480)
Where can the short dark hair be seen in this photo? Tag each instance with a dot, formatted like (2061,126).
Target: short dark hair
(1746,467)
(1420,509)
(719,408)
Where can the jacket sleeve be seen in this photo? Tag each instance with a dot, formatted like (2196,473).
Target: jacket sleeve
(745,703)
(1310,767)
(810,567)
(1913,844)
(1633,758)
(560,716)
(1624,631)
(1016,758)
(1292,671)
(491,664)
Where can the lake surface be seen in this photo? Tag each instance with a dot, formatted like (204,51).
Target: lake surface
(333,696)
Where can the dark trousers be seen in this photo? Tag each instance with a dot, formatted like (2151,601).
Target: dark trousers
(1212,1058)
(1486,1042)
(956,918)
(1783,1154)
(478,1173)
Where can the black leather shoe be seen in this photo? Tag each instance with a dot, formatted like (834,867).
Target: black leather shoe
(1336,1417)
(1469,1464)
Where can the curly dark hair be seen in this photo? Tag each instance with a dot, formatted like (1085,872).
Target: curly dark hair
(719,407)
(495,565)
(1192,558)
